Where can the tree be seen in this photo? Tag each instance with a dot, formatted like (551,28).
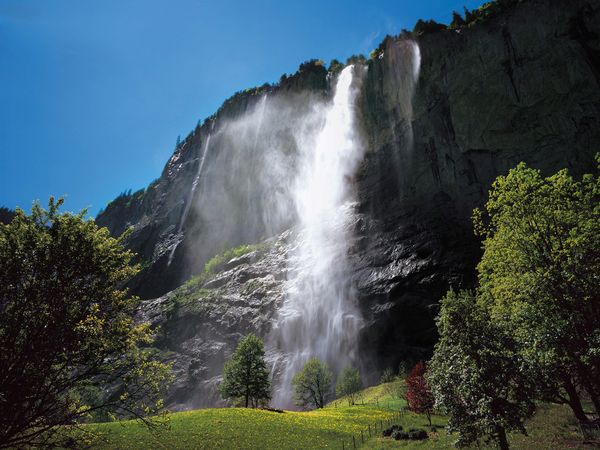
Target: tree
(349,384)
(245,375)
(387,376)
(67,329)
(457,21)
(476,375)
(312,385)
(539,276)
(418,395)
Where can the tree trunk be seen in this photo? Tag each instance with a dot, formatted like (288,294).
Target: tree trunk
(501,437)
(574,401)
(246,399)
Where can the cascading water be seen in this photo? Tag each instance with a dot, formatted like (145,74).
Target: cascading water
(188,203)
(319,317)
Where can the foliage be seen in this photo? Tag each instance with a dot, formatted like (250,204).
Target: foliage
(312,385)
(356,59)
(216,262)
(245,375)
(6,215)
(387,376)
(457,21)
(67,325)
(418,395)
(335,67)
(475,376)
(349,384)
(539,274)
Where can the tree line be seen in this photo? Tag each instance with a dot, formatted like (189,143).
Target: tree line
(246,379)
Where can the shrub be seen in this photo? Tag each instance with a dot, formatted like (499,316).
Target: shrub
(387,376)
(399,435)
(417,435)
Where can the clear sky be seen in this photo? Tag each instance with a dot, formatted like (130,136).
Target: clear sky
(94,93)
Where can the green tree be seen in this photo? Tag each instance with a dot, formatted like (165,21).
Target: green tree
(349,384)
(312,385)
(475,375)
(539,274)
(387,376)
(245,375)
(67,326)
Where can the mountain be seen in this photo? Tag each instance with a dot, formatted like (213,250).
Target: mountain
(436,116)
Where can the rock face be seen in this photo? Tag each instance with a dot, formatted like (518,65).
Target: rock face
(442,115)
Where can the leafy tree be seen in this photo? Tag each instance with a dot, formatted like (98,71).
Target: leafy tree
(245,375)
(387,376)
(312,385)
(349,384)
(539,275)
(67,326)
(335,66)
(418,395)
(475,374)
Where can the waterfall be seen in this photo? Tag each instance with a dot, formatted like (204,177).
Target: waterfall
(188,203)
(319,316)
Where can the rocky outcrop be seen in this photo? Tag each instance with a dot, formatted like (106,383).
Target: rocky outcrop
(442,114)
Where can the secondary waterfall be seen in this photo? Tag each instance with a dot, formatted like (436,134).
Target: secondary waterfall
(190,199)
(319,316)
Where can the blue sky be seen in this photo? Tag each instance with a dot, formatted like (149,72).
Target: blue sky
(93,94)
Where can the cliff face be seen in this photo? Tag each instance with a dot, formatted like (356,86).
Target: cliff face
(441,114)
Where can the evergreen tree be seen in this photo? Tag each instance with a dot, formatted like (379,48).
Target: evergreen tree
(312,385)
(245,375)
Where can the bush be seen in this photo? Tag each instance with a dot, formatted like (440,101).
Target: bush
(417,434)
(387,376)
(391,430)
(399,435)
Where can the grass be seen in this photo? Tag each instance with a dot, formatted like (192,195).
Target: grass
(238,428)
(241,428)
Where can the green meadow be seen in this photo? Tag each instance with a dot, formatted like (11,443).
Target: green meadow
(332,427)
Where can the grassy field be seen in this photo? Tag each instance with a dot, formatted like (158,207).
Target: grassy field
(239,428)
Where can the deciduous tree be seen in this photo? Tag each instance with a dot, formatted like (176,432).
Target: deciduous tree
(312,385)
(540,272)
(418,395)
(476,375)
(69,345)
(349,384)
